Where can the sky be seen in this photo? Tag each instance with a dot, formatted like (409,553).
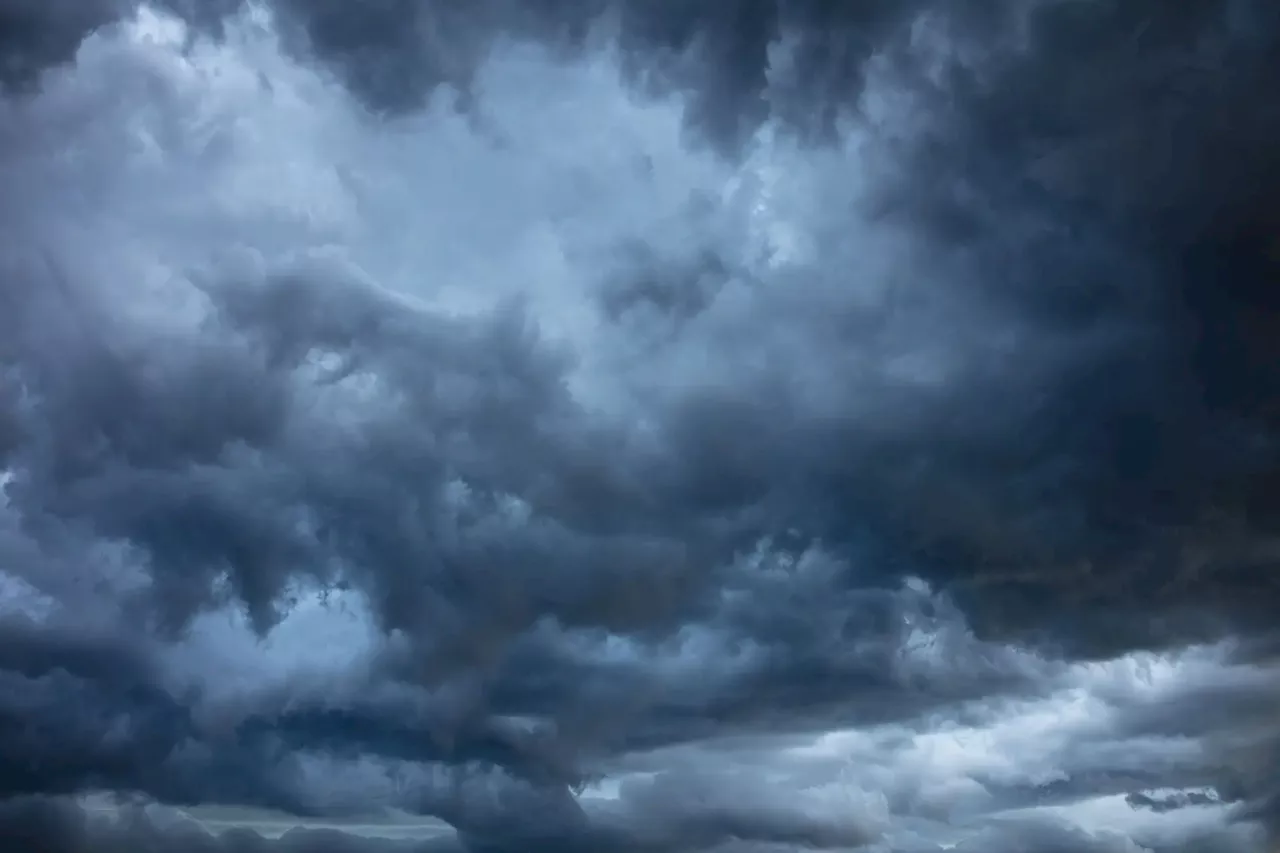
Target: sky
(568,426)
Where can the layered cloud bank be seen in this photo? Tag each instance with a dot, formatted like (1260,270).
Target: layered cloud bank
(640,426)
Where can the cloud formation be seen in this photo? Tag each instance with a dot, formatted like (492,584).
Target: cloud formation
(642,426)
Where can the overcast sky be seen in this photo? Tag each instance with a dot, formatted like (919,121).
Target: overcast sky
(628,426)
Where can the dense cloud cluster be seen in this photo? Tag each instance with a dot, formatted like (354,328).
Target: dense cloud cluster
(641,426)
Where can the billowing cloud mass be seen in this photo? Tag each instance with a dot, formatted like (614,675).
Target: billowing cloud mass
(584,425)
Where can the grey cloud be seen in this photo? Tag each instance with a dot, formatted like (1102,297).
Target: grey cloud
(1155,496)
(1054,836)
(78,714)
(55,826)
(1083,217)
(1146,471)
(703,811)
(1171,801)
(59,826)
(35,34)
(210,508)
(1050,836)
(395,55)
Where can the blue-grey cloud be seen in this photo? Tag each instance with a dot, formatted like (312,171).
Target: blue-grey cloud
(996,401)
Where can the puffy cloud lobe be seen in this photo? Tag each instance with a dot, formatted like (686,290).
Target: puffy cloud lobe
(1090,252)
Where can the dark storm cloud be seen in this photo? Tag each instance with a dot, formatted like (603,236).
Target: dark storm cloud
(65,733)
(1091,197)
(75,714)
(1106,188)
(282,487)
(157,475)
(1117,216)
(36,34)
(1166,467)
(394,54)
(1170,802)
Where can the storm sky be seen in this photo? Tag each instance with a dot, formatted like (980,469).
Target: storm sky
(640,426)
